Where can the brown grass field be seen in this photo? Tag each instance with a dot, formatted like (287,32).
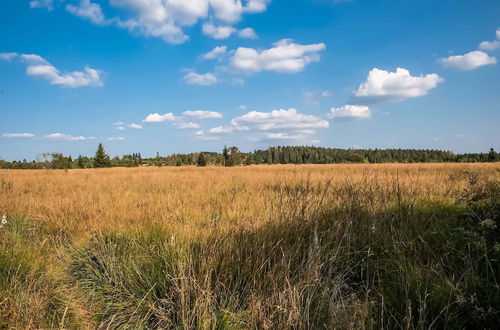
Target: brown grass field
(283,246)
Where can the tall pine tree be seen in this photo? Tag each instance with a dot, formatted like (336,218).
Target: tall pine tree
(101,159)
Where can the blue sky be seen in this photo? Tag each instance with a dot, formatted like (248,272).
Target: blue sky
(181,76)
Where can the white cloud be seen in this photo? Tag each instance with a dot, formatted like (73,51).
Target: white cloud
(276,120)
(7,56)
(116,138)
(490,45)
(198,133)
(215,53)
(326,94)
(220,130)
(469,61)
(135,126)
(385,86)
(89,76)
(350,112)
(256,6)
(283,136)
(186,125)
(285,57)
(201,135)
(18,135)
(120,128)
(206,79)
(165,19)
(242,107)
(48,4)
(218,32)
(88,10)
(33,59)
(118,123)
(248,33)
(27,58)
(202,114)
(157,118)
(65,137)
(39,67)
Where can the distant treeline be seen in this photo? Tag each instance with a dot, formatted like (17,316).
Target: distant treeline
(273,155)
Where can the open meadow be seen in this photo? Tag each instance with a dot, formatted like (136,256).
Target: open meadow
(412,246)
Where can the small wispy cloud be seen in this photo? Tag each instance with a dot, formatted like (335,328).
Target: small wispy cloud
(18,135)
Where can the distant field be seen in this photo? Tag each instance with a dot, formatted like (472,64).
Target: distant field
(279,246)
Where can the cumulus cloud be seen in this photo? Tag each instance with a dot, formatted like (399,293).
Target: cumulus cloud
(217,32)
(88,10)
(48,4)
(7,56)
(89,76)
(33,59)
(120,128)
(350,112)
(39,67)
(283,136)
(157,118)
(276,120)
(135,126)
(385,86)
(215,53)
(489,45)
(18,135)
(284,57)
(220,130)
(202,114)
(116,138)
(469,61)
(274,125)
(201,135)
(248,33)
(66,137)
(167,18)
(186,125)
(206,79)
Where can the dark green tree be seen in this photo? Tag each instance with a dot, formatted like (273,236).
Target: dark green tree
(225,154)
(101,159)
(201,160)
(492,155)
(80,162)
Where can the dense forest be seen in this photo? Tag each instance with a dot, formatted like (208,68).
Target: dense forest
(274,155)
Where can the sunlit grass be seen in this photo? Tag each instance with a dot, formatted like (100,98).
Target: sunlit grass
(322,246)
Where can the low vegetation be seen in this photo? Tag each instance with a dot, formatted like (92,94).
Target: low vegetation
(412,246)
(273,155)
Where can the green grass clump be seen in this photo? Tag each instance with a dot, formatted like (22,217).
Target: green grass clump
(30,287)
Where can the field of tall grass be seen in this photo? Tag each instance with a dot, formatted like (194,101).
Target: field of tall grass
(411,246)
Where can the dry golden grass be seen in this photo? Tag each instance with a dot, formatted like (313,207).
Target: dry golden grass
(411,246)
(80,200)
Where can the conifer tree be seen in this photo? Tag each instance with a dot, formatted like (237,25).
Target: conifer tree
(101,159)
